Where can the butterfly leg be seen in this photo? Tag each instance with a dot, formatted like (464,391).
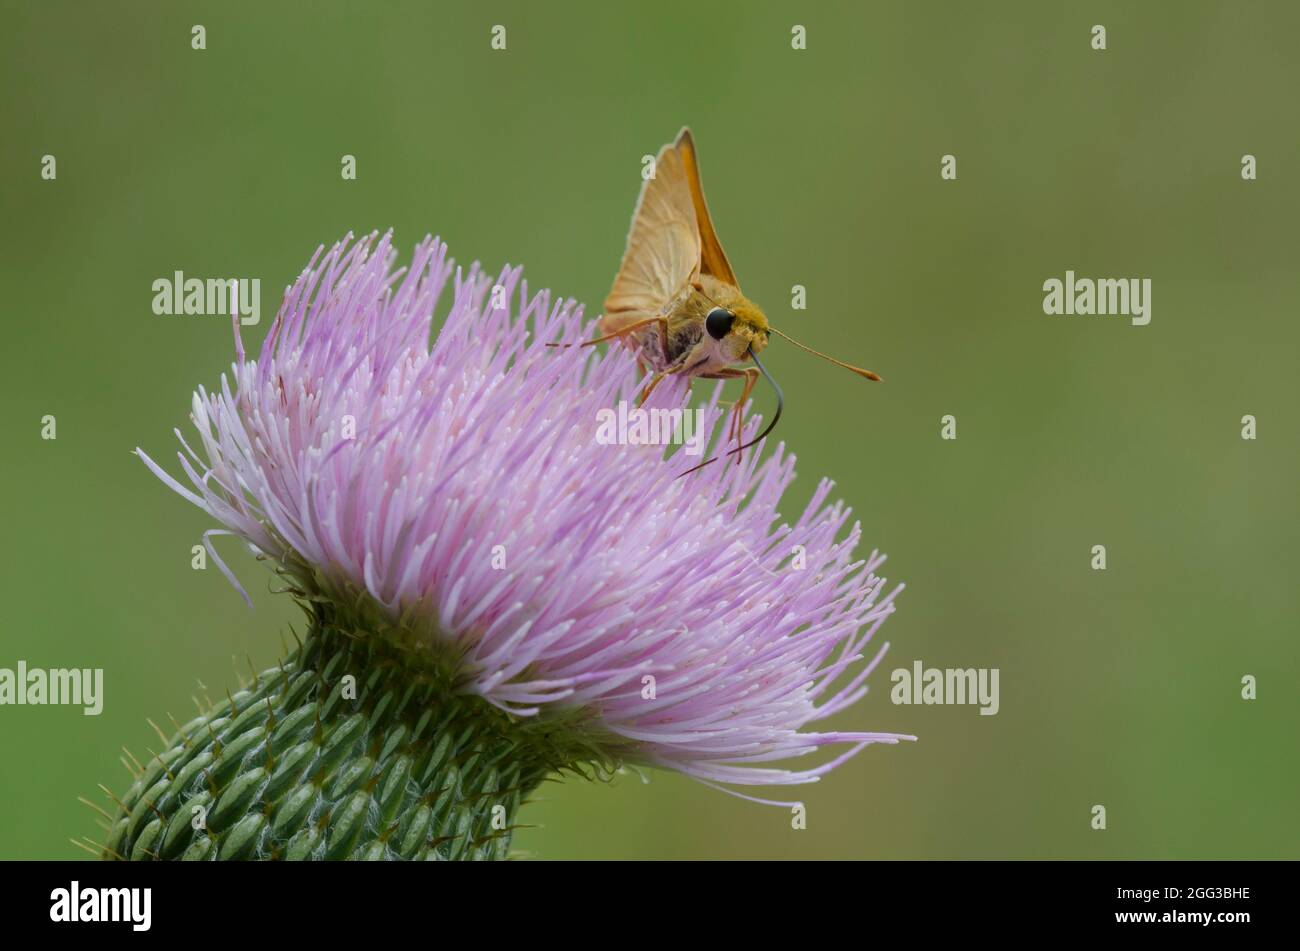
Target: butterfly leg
(635,325)
(751,377)
(738,408)
(654,381)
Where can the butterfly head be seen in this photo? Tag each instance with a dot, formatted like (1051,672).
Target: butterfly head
(739,327)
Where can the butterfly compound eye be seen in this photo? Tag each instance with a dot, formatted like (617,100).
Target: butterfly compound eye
(718,322)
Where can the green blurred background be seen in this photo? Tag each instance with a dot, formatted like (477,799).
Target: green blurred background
(1119,687)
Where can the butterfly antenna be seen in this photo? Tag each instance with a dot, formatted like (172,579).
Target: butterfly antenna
(867,374)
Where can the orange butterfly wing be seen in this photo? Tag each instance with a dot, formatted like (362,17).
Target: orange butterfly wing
(671,243)
(713,260)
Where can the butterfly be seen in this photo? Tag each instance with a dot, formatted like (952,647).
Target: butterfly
(676,299)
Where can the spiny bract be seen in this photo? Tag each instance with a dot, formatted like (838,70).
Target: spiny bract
(351,748)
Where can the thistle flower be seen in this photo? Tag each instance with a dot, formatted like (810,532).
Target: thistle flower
(484,566)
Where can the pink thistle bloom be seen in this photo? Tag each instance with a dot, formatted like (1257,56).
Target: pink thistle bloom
(457,489)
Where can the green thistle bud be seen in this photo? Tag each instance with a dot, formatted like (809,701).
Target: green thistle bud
(354,747)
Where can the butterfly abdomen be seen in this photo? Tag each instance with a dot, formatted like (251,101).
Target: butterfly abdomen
(682,340)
